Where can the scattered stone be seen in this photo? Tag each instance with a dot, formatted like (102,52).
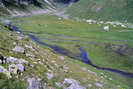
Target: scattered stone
(49,75)
(124,26)
(65,67)
(56,65)
(62,57)
(92,72)
(13,68)
(102,77)
(89,85)
(31,65)
(88,78)
(53,61)
(21,68)
(102,73)
(91,21)
(30,55)
(14,43)
(73,84)
(30,47)
(84,69)
(110,79)
(101,22)
(16,69)
(114,25)
(59,84)
(16,60)
(34,83)
(35,62)
(96,79)
(99,84)
(59,18)
(41,63)
(18,49)
(105,76)
(20,37)
(106,28)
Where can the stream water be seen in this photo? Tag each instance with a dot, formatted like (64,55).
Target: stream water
(83,56)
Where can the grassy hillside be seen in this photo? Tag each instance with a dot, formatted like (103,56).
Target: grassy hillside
(42,60)
(108,45)
(103,9)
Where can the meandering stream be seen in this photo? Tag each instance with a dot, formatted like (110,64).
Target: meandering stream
(83,56)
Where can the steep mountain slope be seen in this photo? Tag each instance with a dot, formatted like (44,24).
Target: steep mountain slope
(103,10)
(10,7)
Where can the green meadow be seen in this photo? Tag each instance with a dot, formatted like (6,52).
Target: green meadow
(112,49)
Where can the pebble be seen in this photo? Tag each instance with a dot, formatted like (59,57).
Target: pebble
(89,85)
(106,28)
(73,84)
(18,49)
(20,67)
(99,84)
(49,75)
(61,57)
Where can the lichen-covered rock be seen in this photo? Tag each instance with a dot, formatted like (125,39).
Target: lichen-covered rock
(49,75)
(62,58)
(20,37)
(18,49)
(21,68)
(73,84)
(30,47)
(99,84)
(16,68)
(106,28)
(13,68)
(30,55)
(16,60)
(34,83)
